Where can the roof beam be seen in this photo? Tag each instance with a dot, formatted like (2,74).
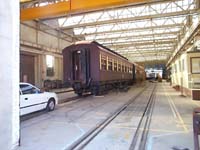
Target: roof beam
(147,52)
(146,3)
(145,59)
(134,29)
(148,46)
(145,56)
(135,18)
(164,34)
(153,62)
(73,6)
(107,42)
(142,42)
(139,44)
(142,50)
(115,47)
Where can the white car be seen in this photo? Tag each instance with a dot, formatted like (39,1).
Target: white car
(33,99)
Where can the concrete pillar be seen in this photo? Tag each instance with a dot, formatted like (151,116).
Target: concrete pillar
(9,75)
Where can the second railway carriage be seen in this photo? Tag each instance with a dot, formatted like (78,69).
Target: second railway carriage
(91,67)
(140,74)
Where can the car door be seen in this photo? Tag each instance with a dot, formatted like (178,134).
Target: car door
(31,99)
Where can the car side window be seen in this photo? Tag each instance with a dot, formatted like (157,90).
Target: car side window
(28,89)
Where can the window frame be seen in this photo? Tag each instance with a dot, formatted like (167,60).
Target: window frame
(103,62)
(119,66)
(191,65)
(110,67)
(115,66)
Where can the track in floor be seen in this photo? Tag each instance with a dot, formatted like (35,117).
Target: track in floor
(139,139)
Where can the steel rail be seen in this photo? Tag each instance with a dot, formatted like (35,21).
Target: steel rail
(146,119)
(91,134)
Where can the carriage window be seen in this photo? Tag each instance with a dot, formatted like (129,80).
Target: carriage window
(103,62)
(130,70)
(110,64)
(122,67)
(115,65)
(125,68)
(119,67)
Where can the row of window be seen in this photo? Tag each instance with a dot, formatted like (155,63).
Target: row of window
(194,67)
(110,64)
(181,66)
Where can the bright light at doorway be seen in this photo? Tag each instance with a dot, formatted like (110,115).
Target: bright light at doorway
(49,61)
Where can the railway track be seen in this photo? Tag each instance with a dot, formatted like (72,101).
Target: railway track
(140,137)
(144,122)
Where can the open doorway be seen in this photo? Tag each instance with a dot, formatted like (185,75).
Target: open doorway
(27,68)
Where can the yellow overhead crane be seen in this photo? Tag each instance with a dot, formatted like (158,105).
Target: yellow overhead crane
(23,1)
(72,6)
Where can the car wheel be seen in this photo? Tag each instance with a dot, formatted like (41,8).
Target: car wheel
(51,105)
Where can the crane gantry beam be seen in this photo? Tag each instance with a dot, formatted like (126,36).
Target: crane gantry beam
(72,6)
(23,1)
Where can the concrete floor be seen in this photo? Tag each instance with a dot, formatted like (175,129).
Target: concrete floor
(171,123)
(63,97)
(58,129)
(118,135)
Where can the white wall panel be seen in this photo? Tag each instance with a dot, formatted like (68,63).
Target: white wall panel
(42,43)
(47,40)
(28,34)
(64,44)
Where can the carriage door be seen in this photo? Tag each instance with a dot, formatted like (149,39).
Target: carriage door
(134,72)
(81,65)
(85,65)
(76,65)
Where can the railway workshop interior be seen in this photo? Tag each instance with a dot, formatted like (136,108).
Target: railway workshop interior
(100,75)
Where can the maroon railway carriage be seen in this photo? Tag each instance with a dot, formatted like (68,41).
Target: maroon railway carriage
(91,67)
